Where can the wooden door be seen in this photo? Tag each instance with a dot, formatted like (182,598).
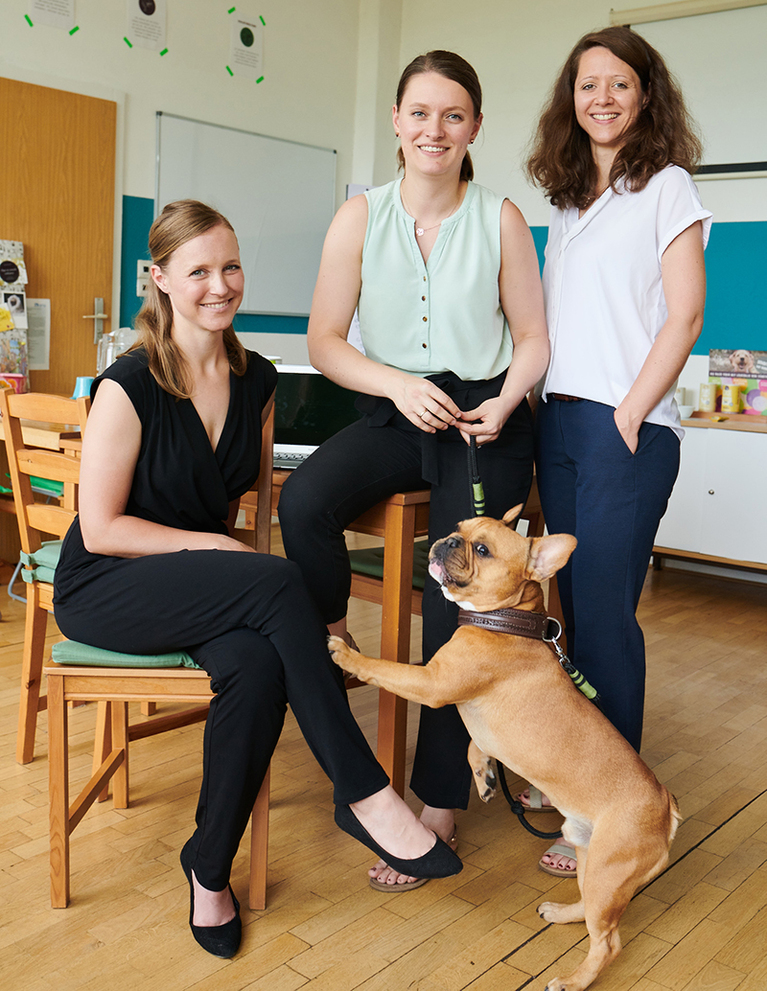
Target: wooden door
(58,198)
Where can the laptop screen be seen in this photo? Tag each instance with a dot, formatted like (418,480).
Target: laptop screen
(309,408)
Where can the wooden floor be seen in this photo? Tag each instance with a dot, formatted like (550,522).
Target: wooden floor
(701,926)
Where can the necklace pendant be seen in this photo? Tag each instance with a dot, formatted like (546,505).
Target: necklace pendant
(420,231)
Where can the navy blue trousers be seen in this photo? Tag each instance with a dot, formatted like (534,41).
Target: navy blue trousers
(612,501)
(354,470)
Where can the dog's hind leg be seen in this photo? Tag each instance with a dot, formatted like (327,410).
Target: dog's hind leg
(608,885)
(481,771)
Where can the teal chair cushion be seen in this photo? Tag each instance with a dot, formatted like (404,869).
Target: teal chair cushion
(369,561)
(72,652)
(41,565)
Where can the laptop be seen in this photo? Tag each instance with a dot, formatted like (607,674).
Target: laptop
(308,408)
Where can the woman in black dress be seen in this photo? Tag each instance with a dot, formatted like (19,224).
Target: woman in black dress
(150,566)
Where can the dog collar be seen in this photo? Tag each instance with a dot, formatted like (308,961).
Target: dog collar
(536,625)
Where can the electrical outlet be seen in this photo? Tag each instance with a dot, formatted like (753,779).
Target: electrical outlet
(142,277)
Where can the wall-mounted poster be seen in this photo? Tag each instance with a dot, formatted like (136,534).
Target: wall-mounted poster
(146,23)
(57,13)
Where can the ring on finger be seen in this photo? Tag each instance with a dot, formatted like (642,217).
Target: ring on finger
(423,413)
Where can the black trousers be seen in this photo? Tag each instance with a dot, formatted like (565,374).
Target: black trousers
(354,470)
(249,621)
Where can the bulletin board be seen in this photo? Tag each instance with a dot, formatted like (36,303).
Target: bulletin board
(278,195)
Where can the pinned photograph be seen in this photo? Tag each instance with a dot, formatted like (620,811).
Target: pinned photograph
(17,306)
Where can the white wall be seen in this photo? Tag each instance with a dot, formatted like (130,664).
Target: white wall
(331,69)
(518,48)
(308,93)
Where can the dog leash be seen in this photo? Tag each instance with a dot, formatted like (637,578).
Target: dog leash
(521,624)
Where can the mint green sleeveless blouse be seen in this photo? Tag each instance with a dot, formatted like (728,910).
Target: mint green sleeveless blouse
(442,316)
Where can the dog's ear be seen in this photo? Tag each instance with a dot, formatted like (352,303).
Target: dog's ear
(548,554)
(512,514)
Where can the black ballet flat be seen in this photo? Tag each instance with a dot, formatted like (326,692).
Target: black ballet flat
(440,861)
(221,941)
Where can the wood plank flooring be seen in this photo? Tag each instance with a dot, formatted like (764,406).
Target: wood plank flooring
(701,926)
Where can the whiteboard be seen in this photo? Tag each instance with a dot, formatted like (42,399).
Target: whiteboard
(278,195)
(720,61)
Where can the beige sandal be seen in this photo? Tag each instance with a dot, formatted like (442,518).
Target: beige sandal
(535,801)
(392,889)
(564,851)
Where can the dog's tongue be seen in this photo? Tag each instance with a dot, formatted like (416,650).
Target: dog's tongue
(436,571)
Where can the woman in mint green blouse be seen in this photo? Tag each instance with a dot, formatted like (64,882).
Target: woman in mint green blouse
(445,278)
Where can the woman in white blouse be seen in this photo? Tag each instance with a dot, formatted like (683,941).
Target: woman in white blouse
(624,283)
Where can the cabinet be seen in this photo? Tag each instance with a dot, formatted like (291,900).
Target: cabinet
(718,509)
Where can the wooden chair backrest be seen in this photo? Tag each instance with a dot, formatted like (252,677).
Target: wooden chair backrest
(37,519)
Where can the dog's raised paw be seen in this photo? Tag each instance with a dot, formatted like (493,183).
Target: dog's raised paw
(486,782)
(339,649)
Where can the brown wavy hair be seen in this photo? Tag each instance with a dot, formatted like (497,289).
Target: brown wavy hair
(178,223)
(452,67)
(662,134)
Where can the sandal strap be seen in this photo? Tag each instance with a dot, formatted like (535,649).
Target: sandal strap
(562,850)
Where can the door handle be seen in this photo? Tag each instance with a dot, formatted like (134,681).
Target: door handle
(98,316)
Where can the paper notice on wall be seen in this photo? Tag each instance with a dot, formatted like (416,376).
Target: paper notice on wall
(39,334)
(13,271)
(147,23)
(246,47)
(57,13)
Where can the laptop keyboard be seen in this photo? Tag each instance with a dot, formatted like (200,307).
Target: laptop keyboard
(289,460)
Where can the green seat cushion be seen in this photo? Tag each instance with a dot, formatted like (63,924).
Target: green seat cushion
(369,561)
(41,564)
(72,652)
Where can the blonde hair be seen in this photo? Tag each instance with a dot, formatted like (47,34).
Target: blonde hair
(178,223)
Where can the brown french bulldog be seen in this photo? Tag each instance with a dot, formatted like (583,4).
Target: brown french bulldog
(522,708)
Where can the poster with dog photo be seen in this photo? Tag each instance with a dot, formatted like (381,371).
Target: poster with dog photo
(741,362)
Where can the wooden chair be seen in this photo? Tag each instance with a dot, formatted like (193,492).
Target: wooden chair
(37,521)
(114,687)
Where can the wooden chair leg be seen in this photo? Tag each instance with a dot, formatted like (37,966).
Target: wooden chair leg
(120,742)
(30,702)
(259,847)
(103,743)
(395,637)
(58,786)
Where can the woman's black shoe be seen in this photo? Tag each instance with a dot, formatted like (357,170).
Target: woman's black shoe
(221,941)
(440,861)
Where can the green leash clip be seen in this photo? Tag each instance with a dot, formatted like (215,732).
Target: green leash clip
(576,677)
